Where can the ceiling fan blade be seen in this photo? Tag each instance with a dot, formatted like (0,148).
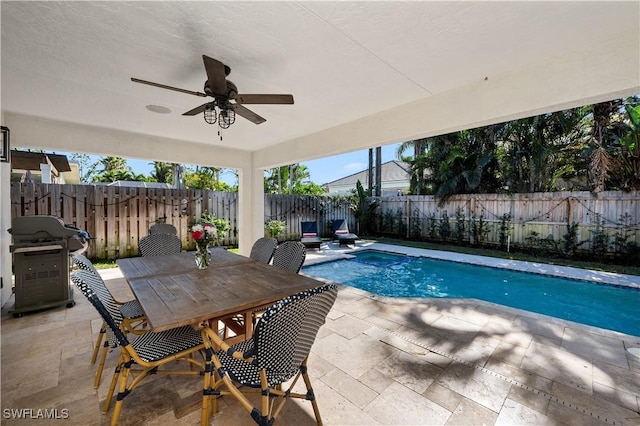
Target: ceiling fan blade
(164,86)
(248,114)
(264,99)
(197,110)
(216,75)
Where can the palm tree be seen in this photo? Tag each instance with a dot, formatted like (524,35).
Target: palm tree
(162,172)
(419,147)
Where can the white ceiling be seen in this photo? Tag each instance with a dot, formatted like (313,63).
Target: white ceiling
(362,73)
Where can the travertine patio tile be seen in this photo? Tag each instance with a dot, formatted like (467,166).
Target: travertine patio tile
(616,377)
(534,400)
(521,376)
(616,396)
(483,388)
(350,388)
(382,322)
(363,308)
(347,326)
(566,415)
(559,365)
(595,347)
(336,409)
(534,326)
(443,396)
(469,412)
(593,404)
(356,356)
(507,334)
(514,413)
(393,337)
(398,405)
(376,380)
(556,342)
(318,366)
(498,314)
(412,371)
(478,351)
(508,353)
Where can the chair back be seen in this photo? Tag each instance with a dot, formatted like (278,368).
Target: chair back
(262,250)
(290,255)
(309,229)
(94,289)
(83,263)
(163,228)
(285,333)
(159,245)
(340,226)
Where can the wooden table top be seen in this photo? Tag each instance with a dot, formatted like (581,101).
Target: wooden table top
(173,292)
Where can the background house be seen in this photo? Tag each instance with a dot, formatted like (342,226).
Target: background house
(41,167)
(396,177)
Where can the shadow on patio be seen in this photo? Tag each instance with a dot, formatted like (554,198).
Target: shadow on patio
(376,361)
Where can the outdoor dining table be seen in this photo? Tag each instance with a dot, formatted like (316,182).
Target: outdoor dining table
(173,292)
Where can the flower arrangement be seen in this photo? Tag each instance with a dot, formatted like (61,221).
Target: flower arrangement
(204,234)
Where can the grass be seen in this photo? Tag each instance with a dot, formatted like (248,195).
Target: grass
(596,266)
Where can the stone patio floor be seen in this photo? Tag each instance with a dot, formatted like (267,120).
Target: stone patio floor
(376,361)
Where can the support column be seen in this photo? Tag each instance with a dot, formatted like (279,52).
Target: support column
(250,208)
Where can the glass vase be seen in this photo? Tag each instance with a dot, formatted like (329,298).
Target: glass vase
(203,256)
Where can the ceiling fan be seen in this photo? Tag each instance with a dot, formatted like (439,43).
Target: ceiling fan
(226,98)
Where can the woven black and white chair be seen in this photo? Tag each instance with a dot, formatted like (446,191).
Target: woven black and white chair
(131,312)
(290,255)
(263,249)
(159,245)
(146,354)
(275,354)
(163,228)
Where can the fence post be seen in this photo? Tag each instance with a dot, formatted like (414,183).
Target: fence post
(408,216)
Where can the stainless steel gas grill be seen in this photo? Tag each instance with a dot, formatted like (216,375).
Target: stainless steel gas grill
(42,246)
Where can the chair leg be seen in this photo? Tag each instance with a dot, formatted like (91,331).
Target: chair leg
(103,357)
(122,392)
(310,395)
(103,330)
(112,386)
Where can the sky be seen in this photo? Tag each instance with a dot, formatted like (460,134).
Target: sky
(322,171)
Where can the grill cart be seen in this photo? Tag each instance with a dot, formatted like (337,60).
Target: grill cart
(42,246)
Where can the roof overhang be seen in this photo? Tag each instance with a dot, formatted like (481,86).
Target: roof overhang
(363,74)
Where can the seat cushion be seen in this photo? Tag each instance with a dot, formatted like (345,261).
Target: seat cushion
(248,374)
(131,310)
(156,346)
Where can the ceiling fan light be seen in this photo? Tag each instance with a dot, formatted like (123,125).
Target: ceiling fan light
(210,115)
(227,118)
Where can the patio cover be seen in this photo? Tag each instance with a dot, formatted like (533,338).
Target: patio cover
(363,74)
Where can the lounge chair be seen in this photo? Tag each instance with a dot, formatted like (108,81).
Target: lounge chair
(310,237)
(342,234)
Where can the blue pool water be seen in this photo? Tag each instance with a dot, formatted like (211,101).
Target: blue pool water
(611,307)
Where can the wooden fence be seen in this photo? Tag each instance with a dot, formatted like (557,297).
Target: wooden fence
(545,215)
(117,217)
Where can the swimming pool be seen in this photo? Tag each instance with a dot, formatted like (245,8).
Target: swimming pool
(605,306)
